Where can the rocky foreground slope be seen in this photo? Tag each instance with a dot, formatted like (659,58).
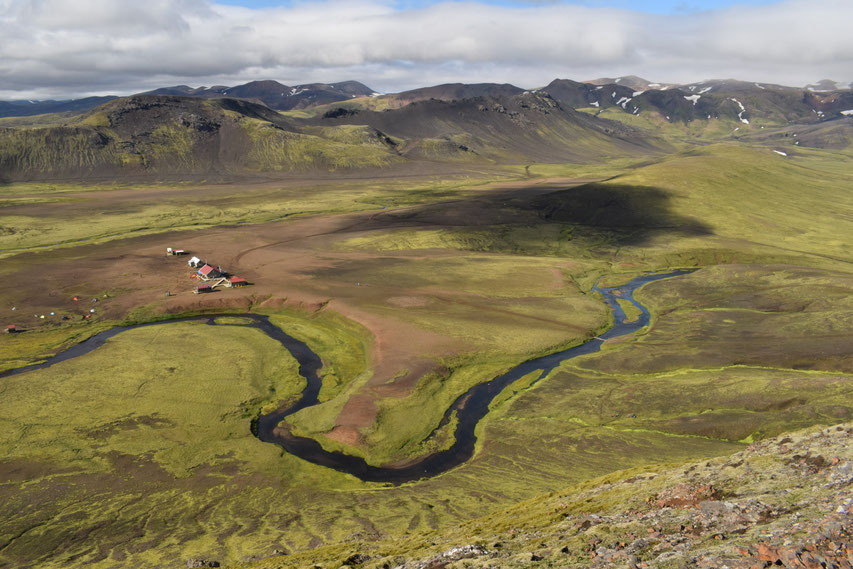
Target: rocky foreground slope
(783,502)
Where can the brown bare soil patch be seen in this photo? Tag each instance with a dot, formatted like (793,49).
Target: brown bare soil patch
(297,263)
(408,301)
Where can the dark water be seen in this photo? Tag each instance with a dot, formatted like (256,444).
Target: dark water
(469,407)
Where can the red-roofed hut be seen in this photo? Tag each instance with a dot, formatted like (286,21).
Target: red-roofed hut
(208,272)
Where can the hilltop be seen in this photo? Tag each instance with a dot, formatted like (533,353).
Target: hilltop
(165,135)
(271,93)
(275,95)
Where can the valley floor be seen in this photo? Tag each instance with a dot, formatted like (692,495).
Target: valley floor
(141,452)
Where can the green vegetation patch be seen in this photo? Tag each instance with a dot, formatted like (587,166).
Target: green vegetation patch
(630,309)
(274,149)
(757,195)
(784,317)
(71,222)
(732,404)
(29,347)
(343,345)
(191,388)
(234,320)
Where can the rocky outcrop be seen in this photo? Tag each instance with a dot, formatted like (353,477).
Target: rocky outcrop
(194,563)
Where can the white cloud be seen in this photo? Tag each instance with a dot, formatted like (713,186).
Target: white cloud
(62,48)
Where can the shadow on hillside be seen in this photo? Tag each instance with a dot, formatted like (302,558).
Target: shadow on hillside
(615,214)
(630,214)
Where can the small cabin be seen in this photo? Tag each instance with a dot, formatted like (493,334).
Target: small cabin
(195,262)
(170,251)
(208,272)
(11,329)
(201,289)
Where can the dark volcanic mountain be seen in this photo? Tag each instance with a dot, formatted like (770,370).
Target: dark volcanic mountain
(455,91)
(528,126)
(631,82)
(270,93)
(728,99)
(151,134)
(276,95)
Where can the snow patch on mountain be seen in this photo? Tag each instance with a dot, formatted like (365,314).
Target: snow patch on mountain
(742,110)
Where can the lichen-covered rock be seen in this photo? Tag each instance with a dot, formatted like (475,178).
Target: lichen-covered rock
(194,563)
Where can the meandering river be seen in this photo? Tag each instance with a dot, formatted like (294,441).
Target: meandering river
(470,407)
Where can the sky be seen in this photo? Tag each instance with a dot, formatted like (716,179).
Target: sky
(74,48)
(648,6)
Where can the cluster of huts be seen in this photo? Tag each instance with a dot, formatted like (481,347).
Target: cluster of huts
(213,276)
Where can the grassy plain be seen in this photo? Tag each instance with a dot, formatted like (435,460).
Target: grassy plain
(146,377)
(99,213)
(155,445)
(140,453)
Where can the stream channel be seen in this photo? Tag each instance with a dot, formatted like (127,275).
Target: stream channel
(469,408)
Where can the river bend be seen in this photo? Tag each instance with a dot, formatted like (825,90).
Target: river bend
(470,407)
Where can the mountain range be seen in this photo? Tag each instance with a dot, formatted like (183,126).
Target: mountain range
(165,135)
(631,93)
(270,93)
(276,95)
(267,127)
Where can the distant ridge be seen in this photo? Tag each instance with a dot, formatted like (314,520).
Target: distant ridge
(728,99)
(713,99)
(630,81)
(452,91)
(271,93)
(276,95)
(32,108)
